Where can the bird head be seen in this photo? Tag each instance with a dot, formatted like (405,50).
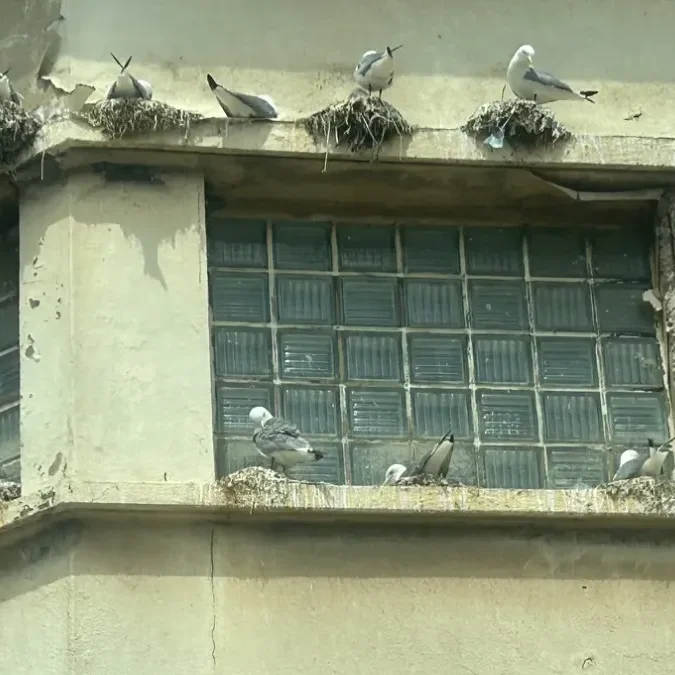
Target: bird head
(259,416)
(394,472)
(525,54)
(627,456)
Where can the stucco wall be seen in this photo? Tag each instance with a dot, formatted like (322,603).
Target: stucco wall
(285,599)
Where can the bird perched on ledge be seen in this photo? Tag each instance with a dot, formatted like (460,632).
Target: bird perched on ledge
(538,85)
(436,462)
(235,104)
(127,86)
(633,466)
(375,70)
(280,441)
(7,92)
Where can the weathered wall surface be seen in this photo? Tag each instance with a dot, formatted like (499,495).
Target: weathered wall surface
(282,600)
(302,53)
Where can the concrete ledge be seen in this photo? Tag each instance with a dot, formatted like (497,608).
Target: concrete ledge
(258,493)
(217,135)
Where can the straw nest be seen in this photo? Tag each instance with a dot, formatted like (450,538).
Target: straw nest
(118,118)
(656,495)
(427,479)
(523,123)
(9,490)
(18,129)
(360,123)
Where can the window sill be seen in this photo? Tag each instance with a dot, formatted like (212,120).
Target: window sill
(253,495)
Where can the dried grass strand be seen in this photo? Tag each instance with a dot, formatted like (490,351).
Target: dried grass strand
(18,129)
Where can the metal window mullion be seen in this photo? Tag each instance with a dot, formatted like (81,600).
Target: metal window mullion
(272,309)
(404,332)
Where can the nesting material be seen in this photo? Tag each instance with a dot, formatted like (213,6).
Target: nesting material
(119,118)
(244,488)
(18,129)
(522,123)
(360,123)
(656,495)
(9,490)
(427,479)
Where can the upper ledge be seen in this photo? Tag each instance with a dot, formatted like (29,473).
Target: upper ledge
(426,145)
(259,492)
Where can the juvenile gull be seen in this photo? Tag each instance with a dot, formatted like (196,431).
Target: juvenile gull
(280,441)
(538,85)
(7,92)
(375,70)
(127,86)
(235,104)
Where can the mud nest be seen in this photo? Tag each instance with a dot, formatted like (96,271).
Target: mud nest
(18,129)
(359,123)
(119,118)
(655,495)
(9,490)
(523,123)
(428,479)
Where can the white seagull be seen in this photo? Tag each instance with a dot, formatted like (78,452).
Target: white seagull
(7,92)
(436,462)
(235,104)
(375,70)
(280,441)
(127,86)
(632,465)
(538,85)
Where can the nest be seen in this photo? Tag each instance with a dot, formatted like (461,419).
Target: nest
(18,129)
(656,495)
(244,488)
(522,123)
(428,479)
(120,117)
(360,123)
(9,490)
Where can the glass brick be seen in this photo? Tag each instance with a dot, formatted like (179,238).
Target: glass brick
(305,355)
(636,417)
(494,251)
(302,246)
(562,307)
(235,242)
(620,253)
(567,362)
(305,299)
(621,309)
(434,303)
(575,468)
(370,461)
(373,356)
(431,249)
(557,252)
(503,360)
(9,377)
(632,363)
(435,412)
(507,415)
(233,404)
(242,352)
(370,302)
(9,434)
(313,411)
(437,358)
(9,262)
(233,455)
(365,248)
(240,298)
(11,470)
(513,468)
(572,417)
(498,305)
(9,324)
(377,412)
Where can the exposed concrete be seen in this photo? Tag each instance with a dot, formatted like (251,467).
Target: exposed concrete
(122,327)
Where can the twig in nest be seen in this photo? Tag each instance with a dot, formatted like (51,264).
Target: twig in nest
(18,129)
(125,117)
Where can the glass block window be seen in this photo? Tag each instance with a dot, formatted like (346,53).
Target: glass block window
(534,345)
(9,354)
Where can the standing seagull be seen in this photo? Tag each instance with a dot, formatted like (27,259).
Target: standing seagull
(375,70)
(538,85)
(127,86)
(7,92)
(280,441)
(235,104)
(633,466)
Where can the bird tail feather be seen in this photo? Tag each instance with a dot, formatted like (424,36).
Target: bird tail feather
(587,95)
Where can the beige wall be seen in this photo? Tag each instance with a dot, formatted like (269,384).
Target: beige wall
(292,599)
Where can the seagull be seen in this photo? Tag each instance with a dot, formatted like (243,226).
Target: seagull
(375,70)
(394,473)
(632,465)
(7,92)
(538,85)
(235,104)
(436,462)
(127,86)
(280,441)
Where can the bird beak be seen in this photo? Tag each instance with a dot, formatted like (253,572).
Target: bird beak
(387,480)
(529,59)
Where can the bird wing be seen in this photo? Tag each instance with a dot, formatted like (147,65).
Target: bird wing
(259,105)
(630,469)
(278,434)
(112,91)
(14,95)
(367,61)
(546,79)
(445,464)
(138,87)
(421,465)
